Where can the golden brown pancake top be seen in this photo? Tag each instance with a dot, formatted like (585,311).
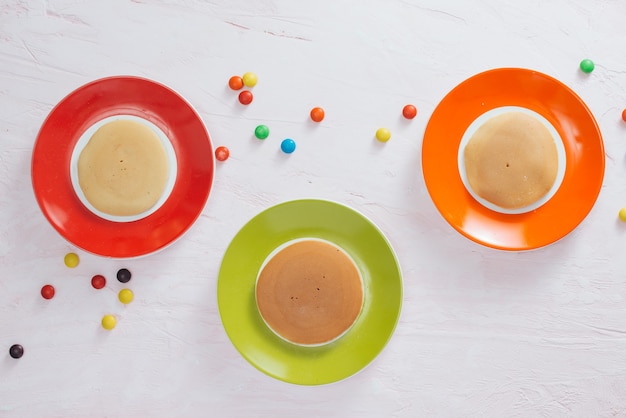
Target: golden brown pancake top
(310,292)
(511,160)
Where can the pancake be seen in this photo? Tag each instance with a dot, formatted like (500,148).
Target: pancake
(310,292)
(511,160)
(123,169)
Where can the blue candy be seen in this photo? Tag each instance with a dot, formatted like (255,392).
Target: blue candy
(288,146)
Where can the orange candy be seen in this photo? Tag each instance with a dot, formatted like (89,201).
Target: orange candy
(235,82)
(222,153)
(317,114)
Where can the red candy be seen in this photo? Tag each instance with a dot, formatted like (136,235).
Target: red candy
(47,292)
(222,153)
(624,115)
(317,114)
(245,97)
(409,111)
(235,82)
(98,281)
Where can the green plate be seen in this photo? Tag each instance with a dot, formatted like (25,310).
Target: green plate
(367,246)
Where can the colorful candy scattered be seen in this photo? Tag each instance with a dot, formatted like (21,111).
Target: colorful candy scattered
(409,111)
(245,97)
(123,275)
(71,260)
(47,292)
(622,214)
(383,134)
(288,146)
(624,115)
(587,66)
(317,114)
(235,82)
(108,322)
(222,153)
(16,351)
(249,79)
(98,281)
(125,296)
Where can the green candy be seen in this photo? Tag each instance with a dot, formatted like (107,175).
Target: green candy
(262,132)
(587,66)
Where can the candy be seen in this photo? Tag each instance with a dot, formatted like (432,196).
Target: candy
(409,111)
(222,153)
(71,260)
(249,79)
(108,322)
(125,296)
(98,281)
(245,97)
(317,114)
(235,82)
(624,115)
(47,292)
(622,214)
(587,66)
(262,132)
(123,275)
(288,146)
(16,351)
(383,134)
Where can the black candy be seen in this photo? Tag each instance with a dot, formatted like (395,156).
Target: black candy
(123,275)
(16,351)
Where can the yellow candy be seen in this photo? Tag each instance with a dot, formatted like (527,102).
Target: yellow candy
(249,79)
(622,214)
(71,260)
(383,134)
(108,322)
(125,296)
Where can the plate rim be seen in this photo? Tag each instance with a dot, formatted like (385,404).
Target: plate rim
(251,283)
(517,219)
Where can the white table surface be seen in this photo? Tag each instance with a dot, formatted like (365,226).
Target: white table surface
(482,332)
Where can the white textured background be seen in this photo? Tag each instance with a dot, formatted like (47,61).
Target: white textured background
(482,332)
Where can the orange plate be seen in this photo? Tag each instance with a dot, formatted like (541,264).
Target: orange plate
(570,116)
(101,99)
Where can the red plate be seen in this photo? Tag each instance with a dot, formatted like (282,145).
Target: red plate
(584,154)
(122,96)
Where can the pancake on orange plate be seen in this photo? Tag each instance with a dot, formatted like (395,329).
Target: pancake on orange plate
(511,160)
